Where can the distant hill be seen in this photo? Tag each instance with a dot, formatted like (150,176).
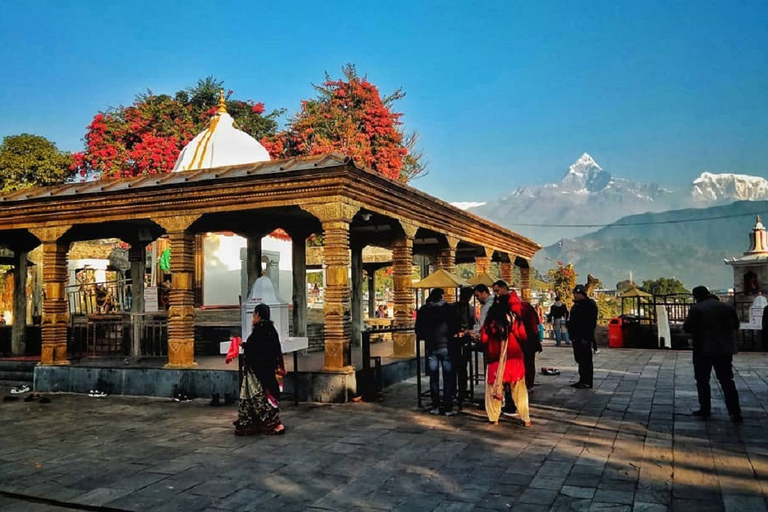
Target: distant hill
(670,244)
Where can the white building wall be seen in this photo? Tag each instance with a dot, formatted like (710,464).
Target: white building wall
(223,272)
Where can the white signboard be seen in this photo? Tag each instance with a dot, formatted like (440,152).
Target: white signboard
(150,299)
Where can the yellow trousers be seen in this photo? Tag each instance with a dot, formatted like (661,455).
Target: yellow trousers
(519,396)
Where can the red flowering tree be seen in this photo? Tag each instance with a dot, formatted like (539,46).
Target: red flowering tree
(350,116)
(563,280)
(147,136)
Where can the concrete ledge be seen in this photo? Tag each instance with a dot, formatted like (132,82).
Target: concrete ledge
(324,387)
(134,381)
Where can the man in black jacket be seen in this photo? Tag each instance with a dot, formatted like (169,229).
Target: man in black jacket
(713,325)
(581,326)
(436,324)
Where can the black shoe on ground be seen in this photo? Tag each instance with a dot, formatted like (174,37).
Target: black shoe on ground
(509,411)
(575,384)
(582,385)
(737,419)
(215,400)
(701,414)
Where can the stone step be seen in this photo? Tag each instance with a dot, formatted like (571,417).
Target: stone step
(18,366)
(16,376)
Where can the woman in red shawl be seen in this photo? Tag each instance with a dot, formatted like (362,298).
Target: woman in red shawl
(501,334)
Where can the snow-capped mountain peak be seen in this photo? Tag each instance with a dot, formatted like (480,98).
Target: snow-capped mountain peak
(727,187)
(585,175)
(466,205)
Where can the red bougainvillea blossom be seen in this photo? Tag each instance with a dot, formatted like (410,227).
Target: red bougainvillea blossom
(147,136)
(349,116)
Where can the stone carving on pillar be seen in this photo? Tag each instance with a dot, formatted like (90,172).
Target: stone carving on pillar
(402,271)
(446,260)
(483,263)
(506,272)
(525,283)
(55,309)
(335,218)
(181,313)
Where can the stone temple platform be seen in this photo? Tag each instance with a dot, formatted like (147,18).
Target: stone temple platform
(148,377)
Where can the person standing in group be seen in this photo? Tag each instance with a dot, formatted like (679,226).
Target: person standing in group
(713,325)
(532,343)
(459,344)
(501,289)
(500,334)
(558,316)
(581,325)
(436,324)
(540,313)
(259,409)
(485,298)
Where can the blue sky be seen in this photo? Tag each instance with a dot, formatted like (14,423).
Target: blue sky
(502,93)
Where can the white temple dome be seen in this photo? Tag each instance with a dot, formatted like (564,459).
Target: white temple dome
(220,144)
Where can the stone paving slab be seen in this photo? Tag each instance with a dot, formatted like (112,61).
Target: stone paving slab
(629,444)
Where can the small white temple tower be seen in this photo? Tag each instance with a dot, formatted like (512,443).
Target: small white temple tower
(750,271)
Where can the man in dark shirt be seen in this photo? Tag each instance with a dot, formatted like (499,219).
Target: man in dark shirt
(581,326)
(713,325)
(436,324)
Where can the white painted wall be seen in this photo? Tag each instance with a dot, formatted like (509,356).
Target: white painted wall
(223,268)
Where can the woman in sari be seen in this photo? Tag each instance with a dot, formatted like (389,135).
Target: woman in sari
(501,334)
(259,411)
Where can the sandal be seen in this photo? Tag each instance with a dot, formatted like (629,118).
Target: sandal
(276,432)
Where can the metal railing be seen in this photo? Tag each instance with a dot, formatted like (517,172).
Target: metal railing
(99,298)
(112,335)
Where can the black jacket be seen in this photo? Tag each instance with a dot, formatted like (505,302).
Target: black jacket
(264,354)
(556,312)
(436,323)
(713,325)
(583,320)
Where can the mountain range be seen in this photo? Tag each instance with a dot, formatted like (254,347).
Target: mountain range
(575,219)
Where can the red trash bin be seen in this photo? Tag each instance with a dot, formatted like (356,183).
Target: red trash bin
(616,333)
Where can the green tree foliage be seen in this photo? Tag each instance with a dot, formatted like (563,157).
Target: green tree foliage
(562,280)
(607,308)
(32,161)
(663,286)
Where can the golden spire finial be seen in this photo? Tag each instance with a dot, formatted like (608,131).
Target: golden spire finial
(222,104)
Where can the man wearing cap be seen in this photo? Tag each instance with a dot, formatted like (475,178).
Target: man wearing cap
(713,325)
(581,325)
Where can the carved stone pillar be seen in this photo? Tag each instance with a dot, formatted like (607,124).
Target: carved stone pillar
(357,295)
(181,313)
(19,328)
(55,309)
(446,260)
(299,282)
(506,272)
(199,268)
(335,217)
(483,263)
(137,258)
(402,270)
(525,283)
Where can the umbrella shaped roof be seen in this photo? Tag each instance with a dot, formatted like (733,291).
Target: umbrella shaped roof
(483,278)
(635,292)
(440,279)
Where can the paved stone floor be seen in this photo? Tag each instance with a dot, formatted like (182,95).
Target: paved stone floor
(629,444)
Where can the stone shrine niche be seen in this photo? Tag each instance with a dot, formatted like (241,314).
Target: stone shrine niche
(751,283)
